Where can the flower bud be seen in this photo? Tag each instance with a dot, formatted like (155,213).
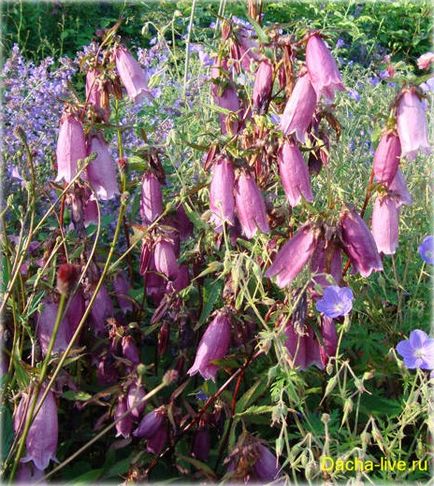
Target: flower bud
(263,87)
(323,72)
(71,147)
(101,171)
(385,224)
(412,125)
(133,77)
(359,244)
(214,345)
(66,278)
(130,350)
(250,206)
(151,202)
(165,259)
(222,203)
(386,158)
(293,256)
(294,174)
(299,109)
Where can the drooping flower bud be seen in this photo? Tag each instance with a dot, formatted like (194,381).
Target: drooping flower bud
(150,423)
(398,188)
(125,425)
(151,202)
(130,350)
(122,287)
(102,309)
(385,224)
(250,206)
(263,87)
(329,339)
(101,171)
(41,441)
(299,109)
(45,325)
(133,77)
(386,158)
(201,444)
(213,345)
(302,346)
(294,174)
(165,259)
(323,72)
(412,125)
(71,147)
(293,256)
(222,202)
(359,244)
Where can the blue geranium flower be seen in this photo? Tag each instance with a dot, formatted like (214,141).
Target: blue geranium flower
(426,249)
(336,301)
(417,351)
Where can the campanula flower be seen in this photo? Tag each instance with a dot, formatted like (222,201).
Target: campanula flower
(299,109)
(426,249)
(386,157)
(221,198)
(336,301)
(125,425)
(303,347)
(263,87)
(323,72)
(133,76)
(151,202)
(385,224)
(398,188)
(417,350)
(214,345)
(101,172)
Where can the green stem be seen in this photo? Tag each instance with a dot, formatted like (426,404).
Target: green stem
(187,45)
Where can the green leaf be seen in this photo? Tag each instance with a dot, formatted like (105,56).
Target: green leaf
(211,292)
(256,410)
(198,465)
(77,396)
(88,477)
(7,430)
(249,395)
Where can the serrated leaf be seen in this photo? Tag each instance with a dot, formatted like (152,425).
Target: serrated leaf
(256,410)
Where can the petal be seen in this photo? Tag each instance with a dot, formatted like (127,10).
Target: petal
(418,338)
(405,349)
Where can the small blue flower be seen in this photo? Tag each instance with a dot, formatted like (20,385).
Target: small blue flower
(374,80)
(200,395)
(275,119)
(336,301)
(354,94)
(417,351)
(340,43)
(426,249)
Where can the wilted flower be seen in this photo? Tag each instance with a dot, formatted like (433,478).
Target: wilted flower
(302,346)
(122,287)
(417,351)
(263,87)
(323,72)
(299,109)
(385,224)
(151,202)
(326,259)
(425,60)
(222,203)
(165,259)
(359,244)
(252,461)
(293,256)
(412,125)
(41,441)
(426,249)
(133,77)
(398,188)
(336,301)
(95,94)
(101,171)
(250,206)
(213,345)
(123,426)
(386,158)
(294,174)
(71,147)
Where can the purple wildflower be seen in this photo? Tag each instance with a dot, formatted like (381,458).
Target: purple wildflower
(417,350)
(336,301)
(426,249)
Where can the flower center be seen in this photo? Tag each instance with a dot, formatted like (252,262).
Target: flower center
(419,353)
